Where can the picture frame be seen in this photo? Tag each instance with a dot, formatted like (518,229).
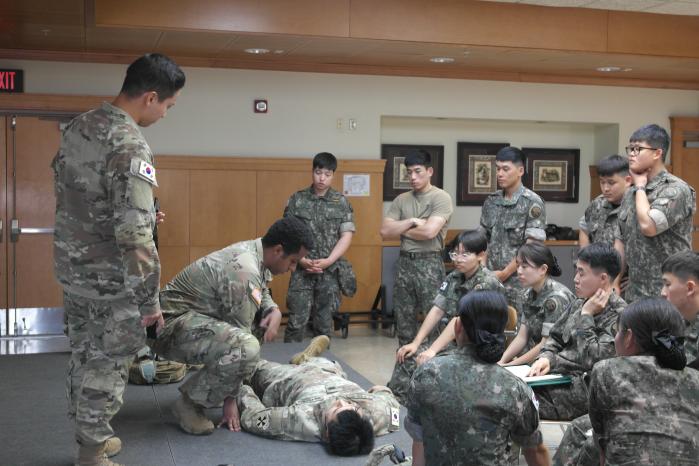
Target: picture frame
(475,171)
(395,179)
(553,174)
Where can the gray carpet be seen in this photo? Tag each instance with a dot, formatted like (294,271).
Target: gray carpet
(34,430)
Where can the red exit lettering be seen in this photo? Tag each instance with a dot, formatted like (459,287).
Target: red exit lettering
(7,80)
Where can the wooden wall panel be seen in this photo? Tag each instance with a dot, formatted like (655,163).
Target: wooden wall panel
(172,260)
(367,222)
(222,207)
(173,195)
(273,190)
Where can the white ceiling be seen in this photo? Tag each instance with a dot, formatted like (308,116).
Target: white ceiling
(680,7)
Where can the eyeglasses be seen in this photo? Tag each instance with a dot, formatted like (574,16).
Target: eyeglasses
(635,150)
(463,256)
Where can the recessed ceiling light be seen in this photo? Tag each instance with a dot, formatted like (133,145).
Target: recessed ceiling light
(442,60)
(609,69)
(257,51)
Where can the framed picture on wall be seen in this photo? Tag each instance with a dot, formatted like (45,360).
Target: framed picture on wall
(553,173)
(395,176)
(475,171)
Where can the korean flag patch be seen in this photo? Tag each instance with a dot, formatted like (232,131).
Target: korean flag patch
(444,286)
(143,170)
(262,421)
(395,417)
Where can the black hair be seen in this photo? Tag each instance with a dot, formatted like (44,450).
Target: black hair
(153,72)
(473,241)
(325,160)
(511,154)
(418,157)
(655,136)
(291,232)
(601,257)
(350,434)
(613,165)
(684,265)
(483,315)
(539,254)
(658,328)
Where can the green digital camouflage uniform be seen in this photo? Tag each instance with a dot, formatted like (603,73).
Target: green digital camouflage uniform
(599,221)
(469,412)
(328,217)
(209,309)
(576,342)
(287,402)
(104,258)
(508,223)
(577,447)
(672,203)
(450,292)
(643,414)
(540,311)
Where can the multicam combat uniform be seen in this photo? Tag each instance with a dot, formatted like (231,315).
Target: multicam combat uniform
(104,258)
(599,221)
(420,268)
(450,292)
(540,311)
(644,414)
(328,217)
(576,342)
(508,223)
(295,398)
(672,206)
(209,309)
(463,408)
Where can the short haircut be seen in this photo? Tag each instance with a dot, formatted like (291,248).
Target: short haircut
(325,161)
(474,241)
(418,157)
(655,136)
(658,328)
(291,232)
(684,265)
(483,315)
(350,434)
(153,72)
(511,154)
(601,257)
(613,165)
(539,254)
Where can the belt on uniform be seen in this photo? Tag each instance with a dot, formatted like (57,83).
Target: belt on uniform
(415,255)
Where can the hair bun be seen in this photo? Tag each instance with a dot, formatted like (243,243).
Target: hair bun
(556,268)
(669,350)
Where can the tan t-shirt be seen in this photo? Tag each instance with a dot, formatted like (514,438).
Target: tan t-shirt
(433,203)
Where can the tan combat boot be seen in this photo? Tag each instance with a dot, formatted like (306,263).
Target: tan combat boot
(315,348)
(112,446)
(191,417)
(94,455)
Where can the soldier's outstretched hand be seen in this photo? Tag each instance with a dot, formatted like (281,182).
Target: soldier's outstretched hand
(231,415)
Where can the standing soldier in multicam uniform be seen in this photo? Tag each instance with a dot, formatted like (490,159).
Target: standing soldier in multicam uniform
(316,282)
(465,409)
(656,214)
(313,401)
(510,217)
(209,310)
(104,254)
(599,222)
(583,336)
(420,218)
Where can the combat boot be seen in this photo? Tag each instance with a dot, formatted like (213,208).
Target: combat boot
(191,417)
(315,348)
(112,446)
(94,455)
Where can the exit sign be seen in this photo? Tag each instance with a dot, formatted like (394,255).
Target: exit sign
(11,80)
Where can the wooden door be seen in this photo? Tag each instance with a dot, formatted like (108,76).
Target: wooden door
(685,158)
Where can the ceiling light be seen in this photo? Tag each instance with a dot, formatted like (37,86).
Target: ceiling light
(609,69)
(257,51)
(442,60)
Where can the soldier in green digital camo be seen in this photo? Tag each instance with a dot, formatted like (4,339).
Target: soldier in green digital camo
(463,408)
(419,218)
(510,217)
(104,255)
(209,309)
(655,220)
(468,275)
(599,222)
(316,283)
(583,336)
(681,288)
(314,402)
